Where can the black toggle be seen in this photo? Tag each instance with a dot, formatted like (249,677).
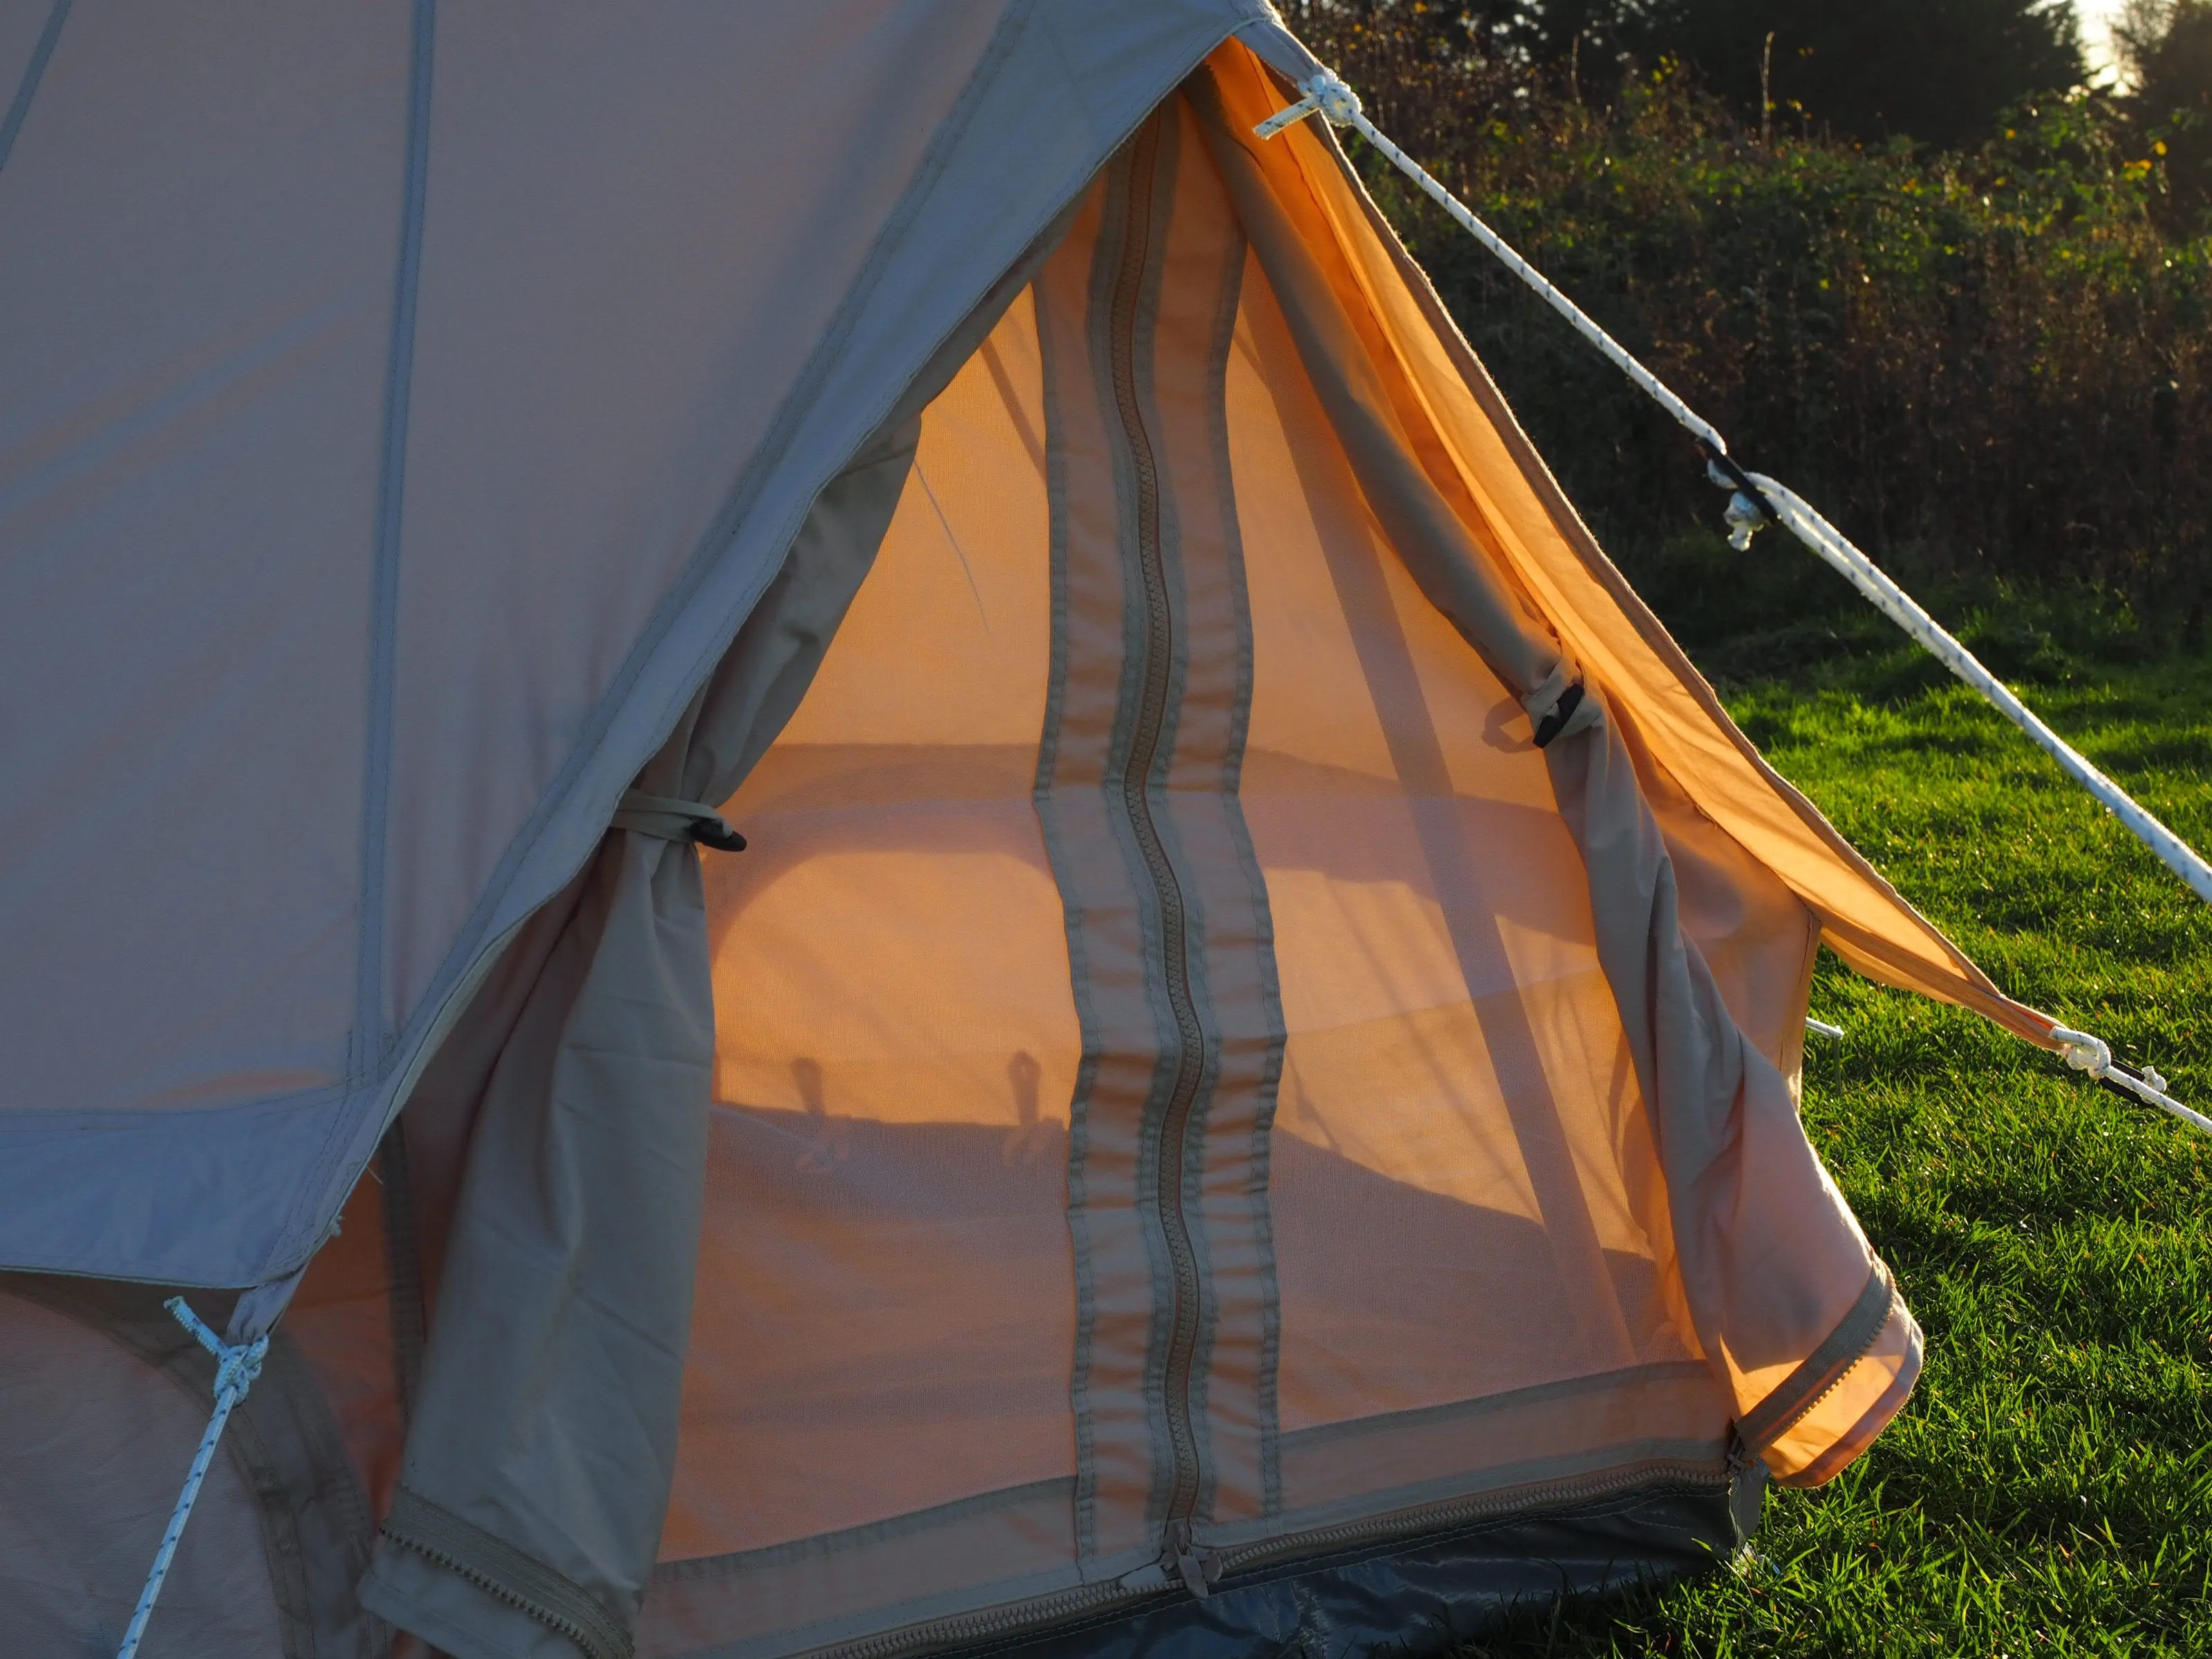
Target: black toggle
(717,834)
(1562,712)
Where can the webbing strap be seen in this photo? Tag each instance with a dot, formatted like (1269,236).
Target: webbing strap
(670,819)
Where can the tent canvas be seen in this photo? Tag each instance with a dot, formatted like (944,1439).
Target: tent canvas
(1251,1053)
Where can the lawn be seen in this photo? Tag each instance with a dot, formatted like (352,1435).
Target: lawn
(2049,1488)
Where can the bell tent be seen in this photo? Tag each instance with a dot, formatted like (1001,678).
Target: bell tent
(1242,1089)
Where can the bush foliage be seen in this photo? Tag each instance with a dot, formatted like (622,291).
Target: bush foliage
(1992,369)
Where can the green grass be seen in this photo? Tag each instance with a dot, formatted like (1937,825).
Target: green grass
(2049,1488)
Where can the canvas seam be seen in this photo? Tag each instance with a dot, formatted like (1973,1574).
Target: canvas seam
(368,1044)
(1409,1527)
(737,1562)
(1158,210)
(1106,259)
(403,1258)
(1576,1483)
(33,72)
(1483,1483)
(1213,385)
(1850,1444)
(1129,433)
(499,1569)
(77,1121)
(1416,1417)
(1119,219)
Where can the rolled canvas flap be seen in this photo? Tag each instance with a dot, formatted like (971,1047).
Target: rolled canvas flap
(1477,454)
(543,1443)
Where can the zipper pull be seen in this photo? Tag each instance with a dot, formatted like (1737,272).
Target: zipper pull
(1182,1559)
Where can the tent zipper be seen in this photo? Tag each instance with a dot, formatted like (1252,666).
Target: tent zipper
(1156,687)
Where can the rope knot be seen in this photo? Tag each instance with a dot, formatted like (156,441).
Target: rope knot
(1744,520)
(2082,1051)
(1325,92)
(1336,100)
(1745,516)
(240,1366)
(235,1368)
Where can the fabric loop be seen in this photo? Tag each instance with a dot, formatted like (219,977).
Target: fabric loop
(1324,92)
(670,819)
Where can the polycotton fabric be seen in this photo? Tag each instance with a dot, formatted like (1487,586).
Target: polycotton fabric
(1259,1017)
(405,405)
(566,1272)
(937,1368)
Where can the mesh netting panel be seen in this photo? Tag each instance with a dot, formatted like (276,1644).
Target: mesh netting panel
(886,1300)
(1464,1192)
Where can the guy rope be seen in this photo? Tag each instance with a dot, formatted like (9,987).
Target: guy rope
(1755,502)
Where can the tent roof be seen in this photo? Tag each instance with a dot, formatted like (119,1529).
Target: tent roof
(401,412)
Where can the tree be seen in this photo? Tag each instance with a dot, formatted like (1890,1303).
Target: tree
(2166,47)
(1940,72)
(1420,66)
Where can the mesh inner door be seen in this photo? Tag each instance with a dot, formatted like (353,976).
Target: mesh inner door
(886,1302)
(1465,1197)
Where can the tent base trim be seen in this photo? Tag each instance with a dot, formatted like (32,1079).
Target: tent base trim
(1451,1569)
(1432,1595)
